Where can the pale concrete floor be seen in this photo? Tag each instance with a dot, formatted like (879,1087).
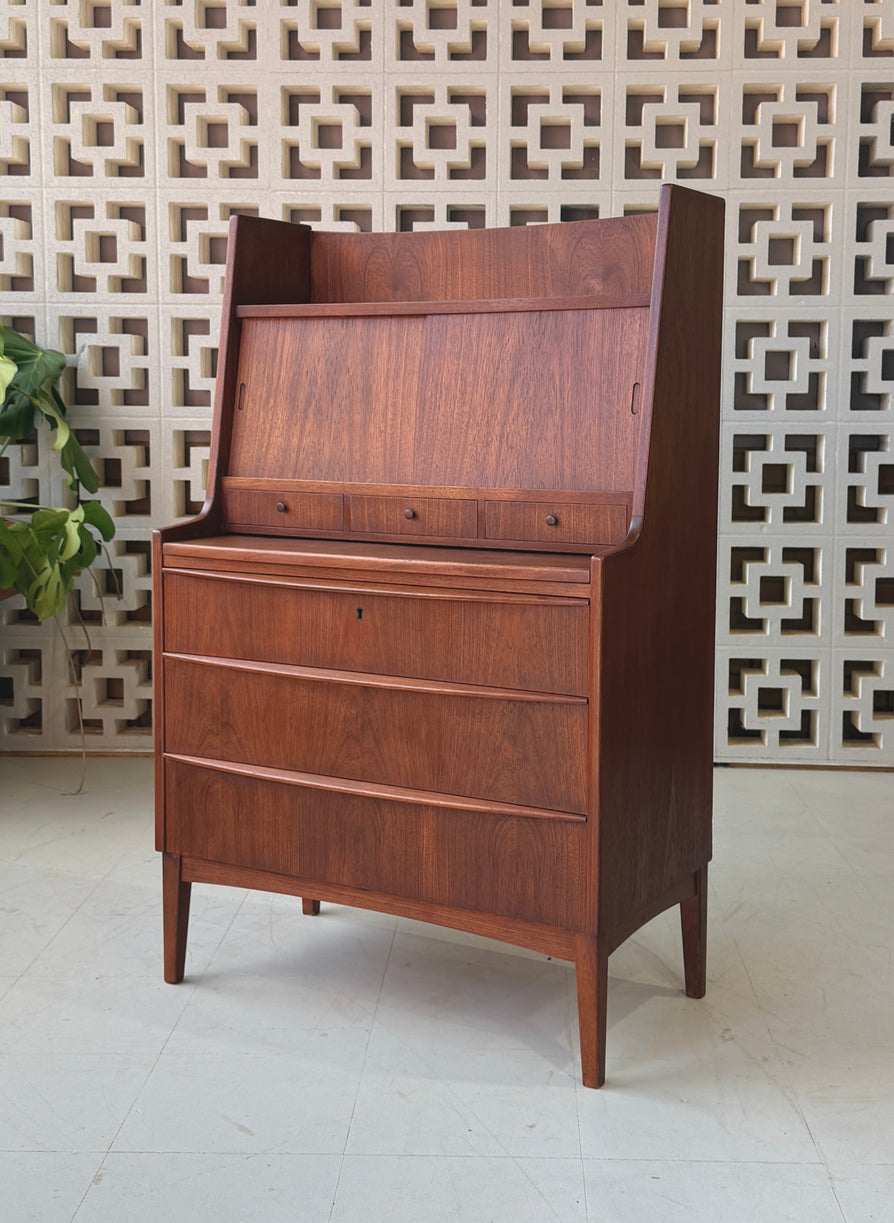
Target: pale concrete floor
(356,1068)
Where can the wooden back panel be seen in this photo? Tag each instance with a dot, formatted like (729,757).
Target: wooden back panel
(519,399)
(596,259)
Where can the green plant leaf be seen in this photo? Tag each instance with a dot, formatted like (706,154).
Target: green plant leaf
(42,556)
(47,523)
(8,371)
(96,516)
(38,368)
(79,467)
(88,550)
(72,543)
(46,594)
(17,416)
(47,405)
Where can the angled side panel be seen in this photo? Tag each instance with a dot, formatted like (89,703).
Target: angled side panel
(655,750)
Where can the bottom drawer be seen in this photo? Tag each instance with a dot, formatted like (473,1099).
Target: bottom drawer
(525,868)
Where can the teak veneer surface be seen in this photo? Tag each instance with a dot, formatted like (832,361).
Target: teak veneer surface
(535,643)
(379,401)
(458,739)
(469,860)
(440,642)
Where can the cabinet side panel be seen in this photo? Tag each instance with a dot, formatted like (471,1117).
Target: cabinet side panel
(656,667)
(267,261)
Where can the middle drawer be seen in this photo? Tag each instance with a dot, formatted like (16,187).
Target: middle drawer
(496,746)
(410,515)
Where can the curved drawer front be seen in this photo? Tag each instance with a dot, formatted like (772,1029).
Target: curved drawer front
(526,868)
(538,645)
(447,739)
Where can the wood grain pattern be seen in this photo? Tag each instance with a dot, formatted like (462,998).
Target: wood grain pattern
(391,794)
(281,511)
(410,515)
(557,522)
(669,802)
(694,924)
(615,301)
(473,744)
(446,857)
(511,739)
(524,400)
(575,259)
(363,560)
(545,940)
(518,642)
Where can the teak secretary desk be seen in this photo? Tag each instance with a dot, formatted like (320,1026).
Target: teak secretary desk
(440,642)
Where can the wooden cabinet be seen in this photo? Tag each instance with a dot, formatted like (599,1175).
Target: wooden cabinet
(440,642)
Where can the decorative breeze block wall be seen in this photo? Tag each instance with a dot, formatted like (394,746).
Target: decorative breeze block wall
(131,131)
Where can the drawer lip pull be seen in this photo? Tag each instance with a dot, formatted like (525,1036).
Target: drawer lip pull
(375,789)
(367,679)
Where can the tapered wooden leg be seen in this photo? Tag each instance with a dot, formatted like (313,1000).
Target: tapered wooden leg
(175,902)
(694,922)
(591,969)
(310,908)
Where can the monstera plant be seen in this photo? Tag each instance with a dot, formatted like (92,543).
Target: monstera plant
(43,548)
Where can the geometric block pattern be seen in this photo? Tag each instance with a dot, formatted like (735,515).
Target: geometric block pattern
(131,132)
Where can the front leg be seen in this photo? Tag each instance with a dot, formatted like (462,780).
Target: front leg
(175,905)
(694,923)
(591,971)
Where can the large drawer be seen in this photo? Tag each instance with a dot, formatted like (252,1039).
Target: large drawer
(513,641)
(532,869)
(486,744)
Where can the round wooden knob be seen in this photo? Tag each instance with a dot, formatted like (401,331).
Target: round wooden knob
(552,520)
(281,507)
(409,513)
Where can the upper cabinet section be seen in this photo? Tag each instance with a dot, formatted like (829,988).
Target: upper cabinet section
(496,386)
(521,399)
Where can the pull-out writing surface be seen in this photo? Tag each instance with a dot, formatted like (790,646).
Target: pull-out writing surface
(440,643)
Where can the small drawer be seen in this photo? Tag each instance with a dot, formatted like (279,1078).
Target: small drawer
(410,515)
(293,511)
(560,523)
